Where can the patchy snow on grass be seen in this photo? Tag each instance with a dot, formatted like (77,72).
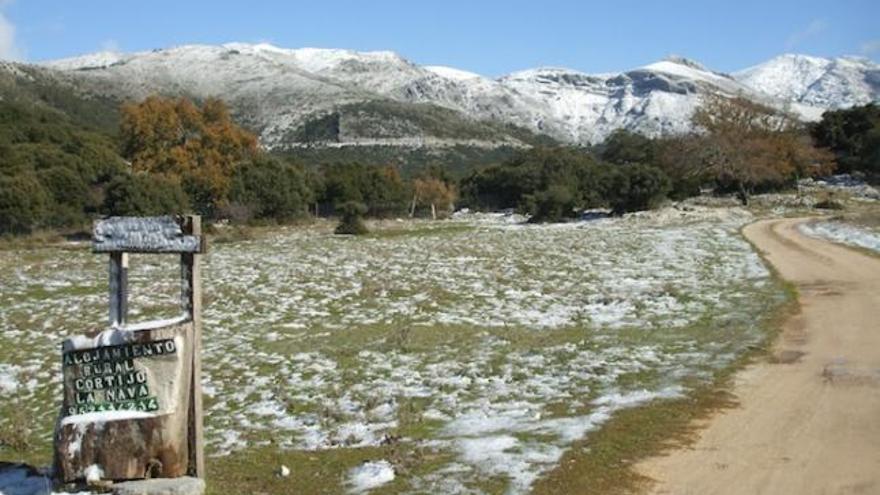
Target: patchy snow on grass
(843,233)
(495,343)
(842,183)
(370,475)
(8,378)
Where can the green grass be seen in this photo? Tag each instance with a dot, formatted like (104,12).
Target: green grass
(476,353)
(604,462)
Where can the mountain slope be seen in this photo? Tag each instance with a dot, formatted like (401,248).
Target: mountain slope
(326,97)
(277,92)
(42,89)
(814,81)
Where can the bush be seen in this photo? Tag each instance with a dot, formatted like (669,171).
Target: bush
(60,168)
(553,205)
(623,147)
(351,222)
(518,182)
(270,189)
(144,194)
(23,204)
(854,137)
(71,197)
(829,202)
(638,187)
(380,189)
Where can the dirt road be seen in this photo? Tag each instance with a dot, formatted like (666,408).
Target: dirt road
(810,423)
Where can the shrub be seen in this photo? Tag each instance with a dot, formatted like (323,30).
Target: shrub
(270,189)
(144,194)
(71,197)
(828,202)
(519,181)
(351,221)
(638,187)
(23,204)
(552,205)
(381,189)
(60,168)
(854,137)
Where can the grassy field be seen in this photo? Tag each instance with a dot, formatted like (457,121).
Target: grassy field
(466,356)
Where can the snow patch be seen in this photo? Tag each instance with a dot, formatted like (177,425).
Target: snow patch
(843,233)
(93,474)
(370,475)
(104,416)
(452,73)
(9,382)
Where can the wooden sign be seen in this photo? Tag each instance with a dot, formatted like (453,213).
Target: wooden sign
(132,405)
(144,235)
(132,376)
(125,404)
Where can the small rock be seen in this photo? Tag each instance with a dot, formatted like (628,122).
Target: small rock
(161,486)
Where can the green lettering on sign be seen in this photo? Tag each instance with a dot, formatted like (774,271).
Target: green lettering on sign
(106,378)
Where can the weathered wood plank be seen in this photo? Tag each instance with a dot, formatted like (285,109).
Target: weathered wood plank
(192,300)
(144,235)
(118,288)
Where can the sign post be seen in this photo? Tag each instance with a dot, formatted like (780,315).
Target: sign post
(132,405)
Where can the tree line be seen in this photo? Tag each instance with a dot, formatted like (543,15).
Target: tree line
(738,146)
(172,155)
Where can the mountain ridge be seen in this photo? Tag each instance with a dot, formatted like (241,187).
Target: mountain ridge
(278,92)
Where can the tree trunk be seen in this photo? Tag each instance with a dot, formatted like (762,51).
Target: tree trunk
(412,206)
(433,212)
(743,194)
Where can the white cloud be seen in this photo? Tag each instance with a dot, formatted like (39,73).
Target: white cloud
(813,29)
(871,47)
(9,48)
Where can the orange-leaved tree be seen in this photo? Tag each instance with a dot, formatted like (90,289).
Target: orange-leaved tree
(200,147)
(433,192)
(745,144)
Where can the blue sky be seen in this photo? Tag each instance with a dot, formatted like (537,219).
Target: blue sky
(488,37)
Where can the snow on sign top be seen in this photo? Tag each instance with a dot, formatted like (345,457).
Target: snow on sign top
(143,235)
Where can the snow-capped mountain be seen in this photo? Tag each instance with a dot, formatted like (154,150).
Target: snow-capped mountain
(382,98)
(816,82)
(657,99)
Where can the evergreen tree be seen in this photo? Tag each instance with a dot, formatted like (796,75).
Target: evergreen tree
(270,189)
(23,204)
(853,135)
(352,218)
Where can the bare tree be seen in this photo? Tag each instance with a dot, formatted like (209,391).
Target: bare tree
(744,144)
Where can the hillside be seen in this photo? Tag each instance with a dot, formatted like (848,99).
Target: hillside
(815,82)
(329,98)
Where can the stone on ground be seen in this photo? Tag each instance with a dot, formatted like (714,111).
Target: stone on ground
(161,486)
